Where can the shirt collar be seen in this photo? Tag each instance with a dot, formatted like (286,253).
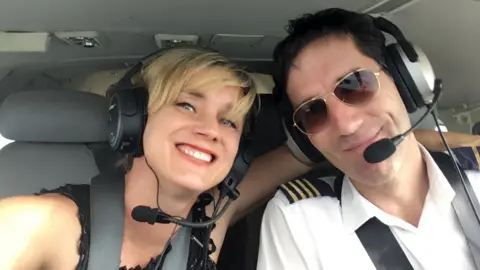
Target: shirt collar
(356,209)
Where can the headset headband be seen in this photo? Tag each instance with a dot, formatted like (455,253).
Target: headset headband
(388,27)
(126,80)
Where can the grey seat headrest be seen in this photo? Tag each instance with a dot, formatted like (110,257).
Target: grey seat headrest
(54,116)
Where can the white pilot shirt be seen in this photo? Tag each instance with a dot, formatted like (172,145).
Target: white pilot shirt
(319,233)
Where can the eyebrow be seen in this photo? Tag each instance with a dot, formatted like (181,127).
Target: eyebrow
(197,95)
(194,94)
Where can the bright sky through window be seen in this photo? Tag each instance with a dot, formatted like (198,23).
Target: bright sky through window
(3,141)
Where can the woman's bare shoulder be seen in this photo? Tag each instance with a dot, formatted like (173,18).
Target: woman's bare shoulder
(35,229)
(43,202)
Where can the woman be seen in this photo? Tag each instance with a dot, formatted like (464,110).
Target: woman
(198,102)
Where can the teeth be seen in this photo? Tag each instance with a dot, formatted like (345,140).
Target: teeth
(198,155)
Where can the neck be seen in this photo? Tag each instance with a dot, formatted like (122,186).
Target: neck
(141,189)
(403,195)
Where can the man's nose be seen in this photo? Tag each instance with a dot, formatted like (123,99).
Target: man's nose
(346,118)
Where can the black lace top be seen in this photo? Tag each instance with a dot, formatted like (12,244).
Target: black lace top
(80,194)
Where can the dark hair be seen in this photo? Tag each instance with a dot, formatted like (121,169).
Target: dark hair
(323,24)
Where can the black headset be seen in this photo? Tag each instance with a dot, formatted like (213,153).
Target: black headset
(128,111)
(406,63)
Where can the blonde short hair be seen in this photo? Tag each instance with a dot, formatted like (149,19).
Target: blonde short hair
(171,73)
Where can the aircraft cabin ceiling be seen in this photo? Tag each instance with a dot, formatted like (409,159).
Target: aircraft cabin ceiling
(447,30)
(168,16)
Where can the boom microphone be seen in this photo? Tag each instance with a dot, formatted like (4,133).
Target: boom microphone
(380,150)
(151,216)
(384,148)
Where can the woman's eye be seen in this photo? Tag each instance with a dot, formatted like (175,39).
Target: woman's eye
(186,106)
(228,123)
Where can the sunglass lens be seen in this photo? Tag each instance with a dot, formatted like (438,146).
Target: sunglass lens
(359,87)
(311,116)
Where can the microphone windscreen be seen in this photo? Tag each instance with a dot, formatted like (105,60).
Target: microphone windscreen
(144,213)
(379,151)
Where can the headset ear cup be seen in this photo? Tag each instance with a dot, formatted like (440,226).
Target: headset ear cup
(245,154)
(297,139)
(408,70)
(393,69)
(250,124)
(127,115)
(141,96)
(114,121)
(239,169)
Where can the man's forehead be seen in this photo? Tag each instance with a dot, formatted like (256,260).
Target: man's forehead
(328,53)
(325,62)
(314,66)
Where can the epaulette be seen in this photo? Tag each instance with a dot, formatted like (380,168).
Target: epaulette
(305,188)
(310,186)
(468,157)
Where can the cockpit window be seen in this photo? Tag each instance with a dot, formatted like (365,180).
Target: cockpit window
(4,141)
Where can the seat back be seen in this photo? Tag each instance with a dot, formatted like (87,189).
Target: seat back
(240,247)
(52,132)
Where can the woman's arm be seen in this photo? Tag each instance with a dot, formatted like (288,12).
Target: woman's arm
(266,173)
(432,140)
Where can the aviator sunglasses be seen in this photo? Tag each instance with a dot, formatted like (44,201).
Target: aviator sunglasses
(355,88)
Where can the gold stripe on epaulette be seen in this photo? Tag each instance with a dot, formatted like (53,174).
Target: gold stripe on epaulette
(304,188)
(477,155)
(299,191)
(315,190)
(290,193)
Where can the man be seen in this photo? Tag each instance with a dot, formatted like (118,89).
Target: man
(407,192)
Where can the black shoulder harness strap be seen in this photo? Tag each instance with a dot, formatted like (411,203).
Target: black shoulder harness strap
(107,211)
(381,246)
(468,157)
(465,203)
(377,238)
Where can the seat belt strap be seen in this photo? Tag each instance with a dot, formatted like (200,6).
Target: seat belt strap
(465,203)
(107,211)
(378,240)
(381,246)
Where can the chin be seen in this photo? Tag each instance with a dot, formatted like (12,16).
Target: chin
(192,183)
(382,171)
(366,172)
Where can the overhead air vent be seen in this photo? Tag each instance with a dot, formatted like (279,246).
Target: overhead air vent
(169,41)
(86,39)
(384,7)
